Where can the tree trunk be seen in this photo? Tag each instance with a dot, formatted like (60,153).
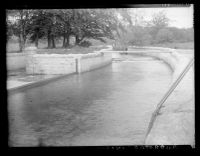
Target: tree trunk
(53,42)
(21,39)
(67,40)
(36,40)
(63,41)
(21,43)
(77,40)
(49,39)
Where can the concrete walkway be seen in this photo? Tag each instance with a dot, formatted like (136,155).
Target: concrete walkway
(20,80)
(175,123)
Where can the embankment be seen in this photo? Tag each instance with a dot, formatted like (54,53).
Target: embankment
(15,61)
(175,123)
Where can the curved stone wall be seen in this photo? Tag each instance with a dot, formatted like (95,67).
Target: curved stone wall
(175,123)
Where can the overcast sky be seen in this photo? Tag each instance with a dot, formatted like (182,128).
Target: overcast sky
(181,17)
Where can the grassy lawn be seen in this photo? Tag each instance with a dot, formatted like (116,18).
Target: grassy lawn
(13,47)
(74,50)
(187,45)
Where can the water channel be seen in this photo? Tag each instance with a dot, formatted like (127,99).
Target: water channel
(108,106)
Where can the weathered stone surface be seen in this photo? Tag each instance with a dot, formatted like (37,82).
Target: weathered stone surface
(15,61)
(65,64)
(175,123)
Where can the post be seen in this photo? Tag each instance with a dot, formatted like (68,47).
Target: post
(78,65)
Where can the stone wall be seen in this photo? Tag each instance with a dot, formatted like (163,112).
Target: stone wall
(50,64)
(89,62)
(175,123)
(65,64)
(15,61)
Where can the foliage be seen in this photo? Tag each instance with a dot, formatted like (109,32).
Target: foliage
(120,25)
(164,35)
(139,36)
(159,20)
(85,44)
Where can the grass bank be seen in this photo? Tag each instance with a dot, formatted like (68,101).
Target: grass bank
(186,45)
(73,50)
(13,47)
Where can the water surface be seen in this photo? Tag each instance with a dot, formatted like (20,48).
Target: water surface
(108,106)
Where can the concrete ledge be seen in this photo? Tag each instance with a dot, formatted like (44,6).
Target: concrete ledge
(65,64)
(91,62)
(175,123)
(15,61)
(172,129)
(35,84)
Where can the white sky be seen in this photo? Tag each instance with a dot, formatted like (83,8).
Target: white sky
(181,17)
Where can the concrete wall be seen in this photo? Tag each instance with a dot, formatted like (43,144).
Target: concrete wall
(65,64)
(175,123)
(50,64)
(89,62)
(15,61)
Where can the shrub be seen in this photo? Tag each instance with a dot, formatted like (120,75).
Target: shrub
(164,35)
(85,44)
(119,45)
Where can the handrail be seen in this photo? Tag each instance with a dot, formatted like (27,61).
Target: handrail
(168,93)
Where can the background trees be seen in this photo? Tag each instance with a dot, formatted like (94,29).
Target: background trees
(164,35)
(52,24)
(18,26)
(123,26)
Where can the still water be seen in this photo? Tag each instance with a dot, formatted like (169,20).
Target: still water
(108,106)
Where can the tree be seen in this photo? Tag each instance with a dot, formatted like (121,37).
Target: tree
(137,16)
(44,24)
(91,23)
(82,23)
(164,35)
(64,22)
(9,29)
(121,25)
(35,27)
(159,21)
(182,35)
(139,36)
(20,21)
(50,26)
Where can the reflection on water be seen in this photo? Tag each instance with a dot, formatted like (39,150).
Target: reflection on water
(108,106)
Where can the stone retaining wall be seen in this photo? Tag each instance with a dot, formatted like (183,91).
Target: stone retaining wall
(88,63)
(65,64)
(15,61)
(175,123)
(50,64)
